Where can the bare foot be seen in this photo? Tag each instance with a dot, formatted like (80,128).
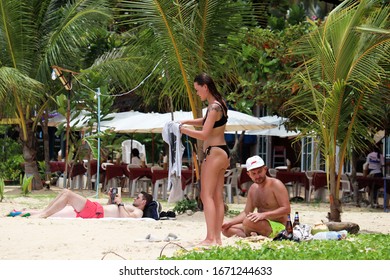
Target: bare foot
(208,243)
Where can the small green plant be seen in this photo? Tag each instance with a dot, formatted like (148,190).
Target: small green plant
(232,213)
(185,204)
(26,184)
(2,185)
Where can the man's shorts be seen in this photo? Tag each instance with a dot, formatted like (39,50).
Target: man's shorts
(276,228)
(91,210)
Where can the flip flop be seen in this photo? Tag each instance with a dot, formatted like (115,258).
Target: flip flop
(26,215)
(148,238)
(14,213)
(171,237)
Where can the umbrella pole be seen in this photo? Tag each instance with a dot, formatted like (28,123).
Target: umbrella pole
(152,148)
(98,143)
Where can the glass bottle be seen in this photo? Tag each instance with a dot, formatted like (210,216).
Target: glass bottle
(296,220)
(289,227)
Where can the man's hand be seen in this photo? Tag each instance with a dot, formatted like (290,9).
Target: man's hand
(118,199)
(255,217)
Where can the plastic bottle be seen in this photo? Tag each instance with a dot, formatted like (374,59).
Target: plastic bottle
(330,235)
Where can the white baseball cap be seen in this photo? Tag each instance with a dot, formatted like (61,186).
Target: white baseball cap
(254,162)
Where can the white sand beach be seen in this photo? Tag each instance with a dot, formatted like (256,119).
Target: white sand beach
(117,239)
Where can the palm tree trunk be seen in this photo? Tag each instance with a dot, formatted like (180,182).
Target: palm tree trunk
(46,145)
(335,203)
(29,154)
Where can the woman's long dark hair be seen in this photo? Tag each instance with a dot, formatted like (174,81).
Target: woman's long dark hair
(204,79)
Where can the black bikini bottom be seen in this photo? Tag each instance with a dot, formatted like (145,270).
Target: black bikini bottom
(223,147)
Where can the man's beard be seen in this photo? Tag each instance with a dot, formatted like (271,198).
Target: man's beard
(260,180)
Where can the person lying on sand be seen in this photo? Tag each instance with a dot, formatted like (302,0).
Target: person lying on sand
(71,205)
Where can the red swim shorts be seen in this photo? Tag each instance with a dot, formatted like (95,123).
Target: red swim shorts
(91,210)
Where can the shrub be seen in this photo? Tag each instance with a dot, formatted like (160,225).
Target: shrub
(185,204)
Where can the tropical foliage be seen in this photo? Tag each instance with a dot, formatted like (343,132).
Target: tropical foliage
(26,184)
(11,158)
(342,84)
(35,35)
(257,73)
(183,38)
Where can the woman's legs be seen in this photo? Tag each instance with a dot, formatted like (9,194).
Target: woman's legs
(213,170)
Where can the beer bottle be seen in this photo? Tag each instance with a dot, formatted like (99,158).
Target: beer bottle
(296,220)
(289,227)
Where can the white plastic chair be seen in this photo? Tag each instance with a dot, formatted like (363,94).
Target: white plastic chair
(346,188)
(163,183)
(127,145)
(141,183)
(231,176)
(272,172)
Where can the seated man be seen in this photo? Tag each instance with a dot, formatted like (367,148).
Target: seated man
(71,205)
(269,196)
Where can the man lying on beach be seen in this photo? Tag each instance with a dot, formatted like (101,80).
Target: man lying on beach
(71,205)
(269,196)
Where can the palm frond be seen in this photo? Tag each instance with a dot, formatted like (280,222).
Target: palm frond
(67,29)
(341,77)
(186,35)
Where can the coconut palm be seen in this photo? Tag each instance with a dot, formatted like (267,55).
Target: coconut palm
(343,83)
(182,37)
(178,39)
(34,35)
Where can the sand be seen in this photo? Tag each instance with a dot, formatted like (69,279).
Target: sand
(118,239)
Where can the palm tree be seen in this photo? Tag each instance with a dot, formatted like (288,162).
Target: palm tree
(343,84)
(34,35)
(180,39)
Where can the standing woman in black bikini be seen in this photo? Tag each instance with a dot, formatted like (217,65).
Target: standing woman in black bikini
(217,157)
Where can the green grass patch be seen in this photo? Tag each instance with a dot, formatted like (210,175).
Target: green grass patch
(355,247)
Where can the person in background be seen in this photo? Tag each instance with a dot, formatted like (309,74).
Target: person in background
(269,196)
(375,162)
(216,155)
(135,157)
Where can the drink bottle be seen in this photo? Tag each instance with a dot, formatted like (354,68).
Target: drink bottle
(296,220)
(289,227)
(330,235)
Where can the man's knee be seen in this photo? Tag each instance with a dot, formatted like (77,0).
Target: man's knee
(233,231)
(261,227)
(227,232)
(67,193)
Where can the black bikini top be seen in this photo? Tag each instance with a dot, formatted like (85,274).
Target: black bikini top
(223,120)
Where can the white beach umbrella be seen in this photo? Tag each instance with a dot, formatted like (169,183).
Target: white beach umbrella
(154,122)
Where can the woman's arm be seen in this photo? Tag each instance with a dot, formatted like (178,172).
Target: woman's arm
(194,122)
(212,116)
